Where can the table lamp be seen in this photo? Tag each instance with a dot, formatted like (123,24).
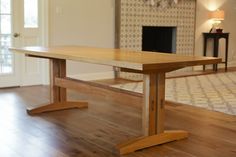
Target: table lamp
(216,17)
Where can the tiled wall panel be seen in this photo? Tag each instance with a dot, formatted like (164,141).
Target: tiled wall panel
(133,14)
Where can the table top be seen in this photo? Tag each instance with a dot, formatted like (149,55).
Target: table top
(135,60)
(216,35)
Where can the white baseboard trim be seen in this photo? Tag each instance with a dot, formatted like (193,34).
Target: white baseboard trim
(232,64)
(94,76)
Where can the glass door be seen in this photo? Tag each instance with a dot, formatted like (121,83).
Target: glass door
(8,74)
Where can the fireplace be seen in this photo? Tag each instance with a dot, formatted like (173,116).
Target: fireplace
(159,39)
(133,15)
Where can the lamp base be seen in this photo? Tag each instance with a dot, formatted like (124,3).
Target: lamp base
(219,30)
(216,30)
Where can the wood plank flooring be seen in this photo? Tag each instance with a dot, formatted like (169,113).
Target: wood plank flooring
(95,131)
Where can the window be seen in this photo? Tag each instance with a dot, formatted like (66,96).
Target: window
(30,13)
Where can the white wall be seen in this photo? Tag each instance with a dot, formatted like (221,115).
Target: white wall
(91,23)
(83,22)
(203,24)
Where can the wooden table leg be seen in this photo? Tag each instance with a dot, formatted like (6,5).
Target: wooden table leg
(153,117)
(58,96)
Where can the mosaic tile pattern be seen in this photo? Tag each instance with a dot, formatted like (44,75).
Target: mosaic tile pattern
(137,13)
(215,92)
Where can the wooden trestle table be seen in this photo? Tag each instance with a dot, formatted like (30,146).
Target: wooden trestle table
(152,65)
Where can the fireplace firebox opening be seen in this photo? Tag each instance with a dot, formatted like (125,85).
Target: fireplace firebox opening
(159,39)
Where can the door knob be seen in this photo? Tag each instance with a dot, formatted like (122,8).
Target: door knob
(15,35)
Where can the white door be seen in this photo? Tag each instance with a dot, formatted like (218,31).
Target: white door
(9,65)
(21,25)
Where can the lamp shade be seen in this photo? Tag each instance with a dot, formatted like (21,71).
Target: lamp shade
(218,15)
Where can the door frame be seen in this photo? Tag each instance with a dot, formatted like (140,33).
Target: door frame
(45,38)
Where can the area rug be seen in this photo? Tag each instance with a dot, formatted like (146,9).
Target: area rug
(216,92)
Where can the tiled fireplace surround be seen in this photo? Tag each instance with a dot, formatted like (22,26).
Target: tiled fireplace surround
(132,15)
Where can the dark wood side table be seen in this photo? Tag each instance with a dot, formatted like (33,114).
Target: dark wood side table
(216,37)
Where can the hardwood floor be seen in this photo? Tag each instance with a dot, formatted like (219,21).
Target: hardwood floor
(95,131)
